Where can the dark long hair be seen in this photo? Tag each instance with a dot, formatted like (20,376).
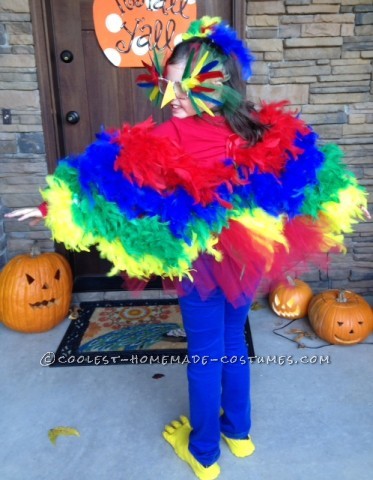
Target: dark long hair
(243,120)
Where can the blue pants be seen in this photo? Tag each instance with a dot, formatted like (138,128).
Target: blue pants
(216,338)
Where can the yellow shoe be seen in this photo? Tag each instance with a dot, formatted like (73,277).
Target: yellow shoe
(240,447)
(177,435)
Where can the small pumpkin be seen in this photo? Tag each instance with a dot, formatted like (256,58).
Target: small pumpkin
(35,291)
(290,299)
(340,317)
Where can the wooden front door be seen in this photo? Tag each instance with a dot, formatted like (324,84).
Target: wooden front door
(81,91)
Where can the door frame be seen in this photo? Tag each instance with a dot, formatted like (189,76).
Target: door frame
(47,80)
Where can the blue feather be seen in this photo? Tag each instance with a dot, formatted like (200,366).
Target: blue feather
(206,98)
(209,66)
(230,43)
(286,193)
(145,85)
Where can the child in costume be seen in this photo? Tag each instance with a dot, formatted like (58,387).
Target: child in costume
(217,199)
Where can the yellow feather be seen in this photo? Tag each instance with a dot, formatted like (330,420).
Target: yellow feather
(154,94)
(347,211)
(59,219)
(264,226)
(144,268)
(200,64)
(212,251)
(265,230)
(204,107)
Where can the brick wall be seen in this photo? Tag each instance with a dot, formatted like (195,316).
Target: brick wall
(319,55)
(22,158)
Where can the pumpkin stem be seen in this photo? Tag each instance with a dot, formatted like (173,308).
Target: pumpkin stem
(35,250)
(342,297)
(290,280)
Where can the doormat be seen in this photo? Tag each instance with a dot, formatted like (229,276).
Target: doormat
(126,333)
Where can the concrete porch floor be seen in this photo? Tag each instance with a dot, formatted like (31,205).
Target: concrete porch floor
(310,421)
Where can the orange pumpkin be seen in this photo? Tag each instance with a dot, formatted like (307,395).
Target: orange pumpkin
(340,317)
(290,299)
(35,291)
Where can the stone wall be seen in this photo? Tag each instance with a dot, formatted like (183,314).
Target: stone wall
(319,55)
(316,53)
(22,157)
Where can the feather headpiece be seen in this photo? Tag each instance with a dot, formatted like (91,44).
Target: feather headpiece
(220,33)
(204,76)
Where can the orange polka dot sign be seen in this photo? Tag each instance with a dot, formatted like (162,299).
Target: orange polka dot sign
(128,30)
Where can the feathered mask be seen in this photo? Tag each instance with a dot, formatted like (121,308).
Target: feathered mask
(204,76)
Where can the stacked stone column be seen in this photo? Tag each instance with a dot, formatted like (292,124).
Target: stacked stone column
(319,55)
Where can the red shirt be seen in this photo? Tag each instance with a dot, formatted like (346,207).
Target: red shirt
(202,137)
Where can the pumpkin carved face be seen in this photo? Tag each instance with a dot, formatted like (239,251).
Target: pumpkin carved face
(290,299)
(35,292)
(43,290)
(341,318)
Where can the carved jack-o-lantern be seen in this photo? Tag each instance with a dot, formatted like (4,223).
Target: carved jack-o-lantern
(340,317)
(35,292)
(290,299)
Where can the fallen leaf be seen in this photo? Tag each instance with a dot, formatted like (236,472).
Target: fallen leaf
(300,334)
(158,375)
(54,433)
(299,337)
(74,313)
(256,306)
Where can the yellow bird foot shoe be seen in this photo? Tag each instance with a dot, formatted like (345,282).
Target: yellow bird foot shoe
(177,435)
(240,447)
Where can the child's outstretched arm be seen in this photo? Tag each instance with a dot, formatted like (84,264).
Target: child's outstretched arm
(25,213)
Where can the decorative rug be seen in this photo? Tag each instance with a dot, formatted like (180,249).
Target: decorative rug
(126,332)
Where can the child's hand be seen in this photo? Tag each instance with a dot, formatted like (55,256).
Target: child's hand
(366,213)
(25,213)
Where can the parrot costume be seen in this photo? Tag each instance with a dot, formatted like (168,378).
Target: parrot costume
(254,213)
(192,202)
(151,209)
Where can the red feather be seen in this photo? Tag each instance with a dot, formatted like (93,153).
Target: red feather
(159,163)
(271,154)
(209,75)
(151,77)
(203,89)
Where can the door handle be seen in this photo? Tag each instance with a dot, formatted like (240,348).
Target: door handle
(72,117)
(67,56)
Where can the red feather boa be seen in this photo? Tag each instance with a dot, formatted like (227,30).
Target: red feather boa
(271,154)
(159,163)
